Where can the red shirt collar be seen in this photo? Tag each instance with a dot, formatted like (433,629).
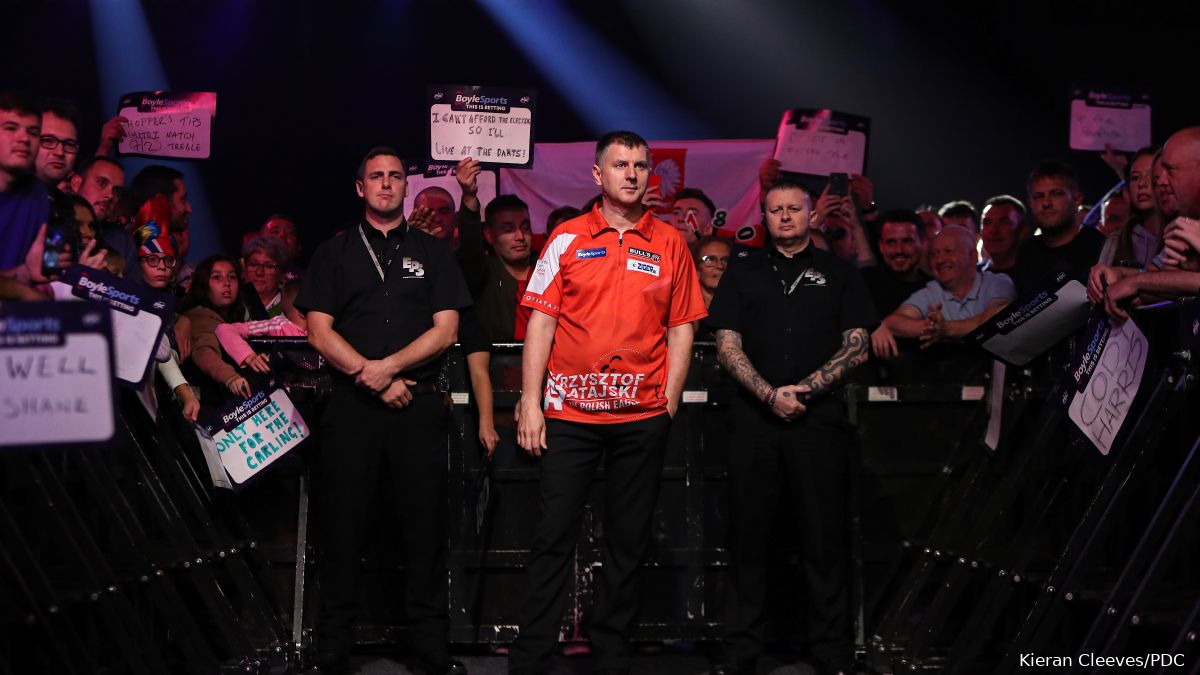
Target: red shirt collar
(597,223)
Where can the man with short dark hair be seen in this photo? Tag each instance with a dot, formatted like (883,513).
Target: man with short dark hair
(24,206)
(606,353)
(100,181)
(382,301)
(960,212)
(1054,197)
(900,275)
(59,147)
(791,322)
(497,279)
(692,214)
(1002,223)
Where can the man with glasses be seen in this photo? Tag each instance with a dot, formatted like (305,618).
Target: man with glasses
(59,143)
(791,323)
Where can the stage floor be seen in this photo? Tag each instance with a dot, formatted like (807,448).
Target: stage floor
(655,664)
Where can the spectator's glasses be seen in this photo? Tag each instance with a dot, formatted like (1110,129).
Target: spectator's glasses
(715,260)
(268,266)
(165,261)
(51,142)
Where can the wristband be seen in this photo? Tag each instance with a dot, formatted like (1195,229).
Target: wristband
(771,396)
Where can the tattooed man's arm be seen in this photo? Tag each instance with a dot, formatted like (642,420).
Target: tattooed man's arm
(855,345)
(737,364)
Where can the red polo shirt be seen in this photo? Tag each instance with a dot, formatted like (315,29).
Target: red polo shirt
(614,295)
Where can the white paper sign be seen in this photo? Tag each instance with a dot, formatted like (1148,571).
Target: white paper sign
(821,142)
(137,316)
(168,124)
(269,427)
(1100,409)
(1113,119)
(55,380)
(494,126)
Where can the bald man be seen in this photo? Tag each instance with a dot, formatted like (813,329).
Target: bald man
(440,203)
(959,298)
(1120,288)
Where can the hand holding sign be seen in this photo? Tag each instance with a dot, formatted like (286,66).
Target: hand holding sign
(821,142)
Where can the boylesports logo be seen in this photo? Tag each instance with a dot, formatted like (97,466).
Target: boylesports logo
(585,253)
(652,257)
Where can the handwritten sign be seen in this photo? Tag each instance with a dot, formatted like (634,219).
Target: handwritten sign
(168,124)
(1105,375)
(139,316)
(1036,321)
(55,374)
(495,126)
(251,435)
(1117,119)
(820,142)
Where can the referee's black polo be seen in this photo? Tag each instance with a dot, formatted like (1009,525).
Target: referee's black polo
(787,337)
(380,317)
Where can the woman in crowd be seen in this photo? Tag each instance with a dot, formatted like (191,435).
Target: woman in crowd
(266,259)
(215,300)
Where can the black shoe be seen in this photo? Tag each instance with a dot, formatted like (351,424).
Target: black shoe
(441,665)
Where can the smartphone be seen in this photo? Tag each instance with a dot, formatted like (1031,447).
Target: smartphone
(839,184)
(62,236)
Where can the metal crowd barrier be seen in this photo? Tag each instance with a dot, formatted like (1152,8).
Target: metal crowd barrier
(128,556)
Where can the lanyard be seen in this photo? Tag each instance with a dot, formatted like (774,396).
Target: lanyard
(371,252)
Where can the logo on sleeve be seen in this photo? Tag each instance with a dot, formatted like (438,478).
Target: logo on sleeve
(643,267)
(652,257)
(585,253)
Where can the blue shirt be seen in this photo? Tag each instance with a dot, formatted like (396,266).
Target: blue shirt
(23,209)
(988,286)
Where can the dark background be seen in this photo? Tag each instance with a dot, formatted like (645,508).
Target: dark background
(963,101)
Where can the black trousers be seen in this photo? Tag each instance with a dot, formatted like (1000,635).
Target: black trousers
(808,460)
(361,438)
(632,454)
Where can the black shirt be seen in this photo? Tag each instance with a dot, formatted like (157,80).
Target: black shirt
(380,317)
(1035,260)
(888,291)
(789,336)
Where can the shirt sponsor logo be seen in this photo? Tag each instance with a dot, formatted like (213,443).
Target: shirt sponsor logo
(643,267)
(813,277)
(585,253)
(414,268)
(652,257)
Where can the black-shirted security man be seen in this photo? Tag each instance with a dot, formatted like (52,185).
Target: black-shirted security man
(791,322)
(382,302)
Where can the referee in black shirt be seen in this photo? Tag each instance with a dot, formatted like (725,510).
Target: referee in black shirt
(382,301)
(791,322)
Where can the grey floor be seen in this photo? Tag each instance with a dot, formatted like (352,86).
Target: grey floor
(664,664)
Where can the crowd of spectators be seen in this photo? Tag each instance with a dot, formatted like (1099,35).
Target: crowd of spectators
(933,274)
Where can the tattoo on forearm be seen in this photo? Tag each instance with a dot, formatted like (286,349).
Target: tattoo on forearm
(737,364)
(855,343)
